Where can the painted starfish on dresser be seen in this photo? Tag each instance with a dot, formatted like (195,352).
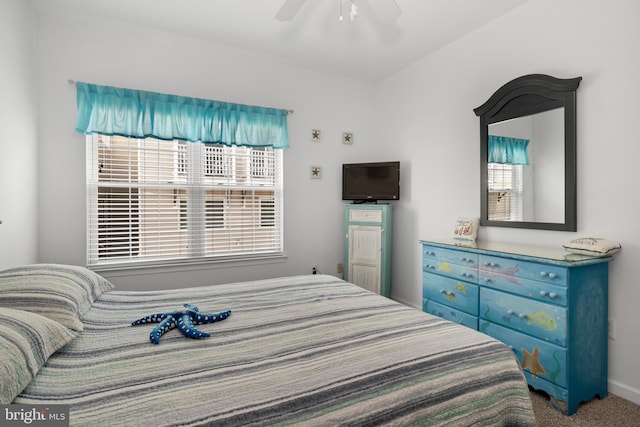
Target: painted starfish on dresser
(531,362)
(184,319)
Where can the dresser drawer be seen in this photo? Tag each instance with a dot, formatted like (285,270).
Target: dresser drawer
(449,313)
(454,293)
(540,359)
(539,319)
(449,256)
(362,215)
(455,271)
(541,291)
(514,269)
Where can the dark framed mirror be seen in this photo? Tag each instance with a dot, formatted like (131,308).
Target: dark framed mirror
(528,154)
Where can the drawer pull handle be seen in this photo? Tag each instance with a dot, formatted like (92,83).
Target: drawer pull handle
(465,259)
(490,264)
(466,275)
(511,312)
(429,253)
(446,293)
(487,280)
(552,275)
(543,274)
(551,295)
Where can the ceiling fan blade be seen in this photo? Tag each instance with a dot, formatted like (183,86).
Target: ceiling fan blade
(289,10)
(387,11)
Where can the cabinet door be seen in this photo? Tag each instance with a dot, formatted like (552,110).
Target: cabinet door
(364,256)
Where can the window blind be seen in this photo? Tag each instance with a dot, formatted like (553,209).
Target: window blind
(505,192)
(152,199)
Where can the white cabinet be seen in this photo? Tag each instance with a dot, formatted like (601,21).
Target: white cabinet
(363,264)
(368,247)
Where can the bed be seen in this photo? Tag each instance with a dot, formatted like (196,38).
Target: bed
(302,350)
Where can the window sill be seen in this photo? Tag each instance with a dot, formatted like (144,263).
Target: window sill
(130,269)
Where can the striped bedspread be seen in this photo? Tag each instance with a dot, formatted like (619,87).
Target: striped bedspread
(304,350)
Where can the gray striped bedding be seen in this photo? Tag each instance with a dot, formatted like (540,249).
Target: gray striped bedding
(305,350)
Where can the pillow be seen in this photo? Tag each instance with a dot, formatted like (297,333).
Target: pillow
(60,292)
(466,229)
(26,342)
(592,246)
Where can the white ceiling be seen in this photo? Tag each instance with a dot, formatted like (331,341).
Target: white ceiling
(366,49)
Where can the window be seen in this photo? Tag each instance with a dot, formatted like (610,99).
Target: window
(505,192)
(153,200)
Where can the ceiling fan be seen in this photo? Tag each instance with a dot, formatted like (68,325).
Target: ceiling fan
(386,10)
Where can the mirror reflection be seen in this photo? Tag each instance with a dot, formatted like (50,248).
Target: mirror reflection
(525,173)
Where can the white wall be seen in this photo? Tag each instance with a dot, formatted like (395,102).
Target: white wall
(18,161)
(109,54)
(427,110)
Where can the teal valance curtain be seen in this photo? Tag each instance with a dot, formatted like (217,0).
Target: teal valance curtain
(508,151)
(133,113)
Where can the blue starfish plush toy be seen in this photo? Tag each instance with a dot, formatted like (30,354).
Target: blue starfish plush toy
(185,319)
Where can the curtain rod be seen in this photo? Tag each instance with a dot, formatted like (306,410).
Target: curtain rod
(73,82)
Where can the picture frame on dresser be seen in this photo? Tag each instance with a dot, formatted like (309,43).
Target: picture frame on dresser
(549,306)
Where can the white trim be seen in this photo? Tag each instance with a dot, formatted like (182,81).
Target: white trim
(191,264)
(407,303)
(624,391)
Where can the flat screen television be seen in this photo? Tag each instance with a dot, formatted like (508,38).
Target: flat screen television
(369,182)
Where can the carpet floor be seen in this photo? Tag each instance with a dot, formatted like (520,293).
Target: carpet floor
(611,411)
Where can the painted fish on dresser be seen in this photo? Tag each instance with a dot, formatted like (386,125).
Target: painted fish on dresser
(542,320)
(497,273)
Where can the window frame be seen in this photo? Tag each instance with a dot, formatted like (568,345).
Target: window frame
(197,188)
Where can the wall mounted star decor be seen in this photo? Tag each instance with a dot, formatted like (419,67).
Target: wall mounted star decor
(347,138)
(316,172)
(316,135)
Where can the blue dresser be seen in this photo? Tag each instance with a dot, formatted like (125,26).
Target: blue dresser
(549,306)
